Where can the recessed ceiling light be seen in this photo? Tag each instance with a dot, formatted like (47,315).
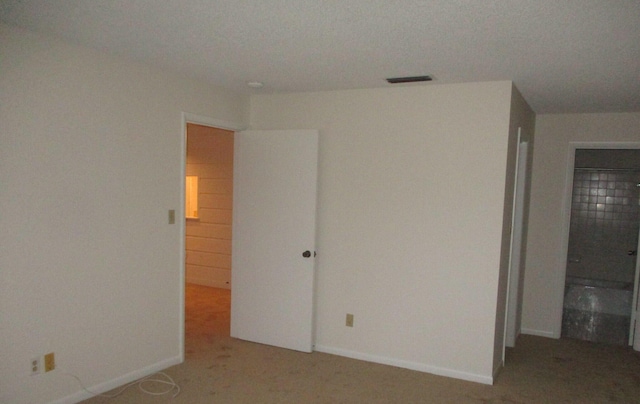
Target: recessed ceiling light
(413,79)
(255,84)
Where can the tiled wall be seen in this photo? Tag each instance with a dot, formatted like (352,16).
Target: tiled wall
(208,238)
(604,224)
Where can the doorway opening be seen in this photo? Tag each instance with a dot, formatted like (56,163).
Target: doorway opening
(601,279)
(209,160)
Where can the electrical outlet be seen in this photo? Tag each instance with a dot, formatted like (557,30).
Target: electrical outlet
(36,366)
(49,362)
(349,322)
(172,216)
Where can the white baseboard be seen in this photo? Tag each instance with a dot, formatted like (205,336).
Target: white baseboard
(118,381)
(540,333)
(421,367)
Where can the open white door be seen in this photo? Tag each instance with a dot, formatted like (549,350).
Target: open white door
(514,299)
(273,241)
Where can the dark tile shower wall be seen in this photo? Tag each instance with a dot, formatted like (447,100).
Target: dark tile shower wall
(604,224)
(604,228)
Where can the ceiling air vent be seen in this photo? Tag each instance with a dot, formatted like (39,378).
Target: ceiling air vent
(413,79)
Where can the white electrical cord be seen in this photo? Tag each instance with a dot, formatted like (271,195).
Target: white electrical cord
(140,383)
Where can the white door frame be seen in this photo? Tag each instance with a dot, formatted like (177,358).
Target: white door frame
(514,300)
(559,283)
(205,121)
(635,324)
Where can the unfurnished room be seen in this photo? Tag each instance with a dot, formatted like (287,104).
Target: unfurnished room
(292,201)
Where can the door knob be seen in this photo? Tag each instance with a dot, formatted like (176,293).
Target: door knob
(632,252)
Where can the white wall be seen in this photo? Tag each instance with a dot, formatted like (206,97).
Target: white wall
(90,163)
(410,220)
(544,276)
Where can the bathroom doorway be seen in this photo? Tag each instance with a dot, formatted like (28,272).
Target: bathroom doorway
(601,279)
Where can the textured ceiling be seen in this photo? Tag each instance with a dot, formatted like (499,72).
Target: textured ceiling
(563,55)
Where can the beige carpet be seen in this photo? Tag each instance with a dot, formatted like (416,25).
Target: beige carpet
(219,369)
